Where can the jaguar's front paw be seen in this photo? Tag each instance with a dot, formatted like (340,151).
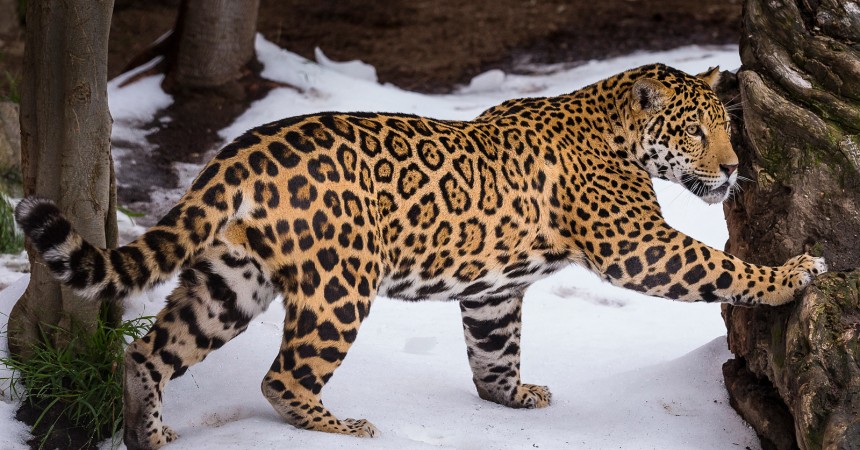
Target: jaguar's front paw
(793,276)
(802,269)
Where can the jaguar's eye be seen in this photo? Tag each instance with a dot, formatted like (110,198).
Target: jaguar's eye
(692,129)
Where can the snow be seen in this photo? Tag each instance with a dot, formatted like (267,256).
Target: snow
(626,370)
(636,373)
(355,69)
(11,268)
(13,434)
(486,82)
(131,108)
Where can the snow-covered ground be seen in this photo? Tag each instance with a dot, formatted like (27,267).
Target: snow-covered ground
(626,370)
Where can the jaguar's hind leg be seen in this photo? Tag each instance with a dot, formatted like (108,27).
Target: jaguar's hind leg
(214,301)
(322,321)
(492,329)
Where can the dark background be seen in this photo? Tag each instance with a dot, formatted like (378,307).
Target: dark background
(433,45)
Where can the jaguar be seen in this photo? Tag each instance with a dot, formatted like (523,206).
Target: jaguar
(331,210)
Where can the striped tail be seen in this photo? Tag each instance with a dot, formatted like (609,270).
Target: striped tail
(98,273)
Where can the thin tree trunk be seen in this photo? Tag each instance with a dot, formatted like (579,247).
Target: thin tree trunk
(65,137)
(796,376)
(216,39)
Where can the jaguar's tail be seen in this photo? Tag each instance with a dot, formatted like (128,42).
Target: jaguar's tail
(150,259)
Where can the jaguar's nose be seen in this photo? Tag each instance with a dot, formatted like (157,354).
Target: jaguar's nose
(729,169)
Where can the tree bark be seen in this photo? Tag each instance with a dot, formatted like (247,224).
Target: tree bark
(65,140)
(215,41)
(800,143)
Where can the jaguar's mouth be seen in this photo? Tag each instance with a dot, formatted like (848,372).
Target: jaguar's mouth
(721,189)
(705,192)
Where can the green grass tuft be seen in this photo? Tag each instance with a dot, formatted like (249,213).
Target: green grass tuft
(11,239)
(82,378)
(11,88)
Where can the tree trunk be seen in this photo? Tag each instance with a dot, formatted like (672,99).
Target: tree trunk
(796,376)
(215,41)
(65,140)
(212,73)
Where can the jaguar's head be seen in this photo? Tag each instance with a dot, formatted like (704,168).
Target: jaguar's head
(683,131)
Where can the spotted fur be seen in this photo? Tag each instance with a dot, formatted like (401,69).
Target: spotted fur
(330,210)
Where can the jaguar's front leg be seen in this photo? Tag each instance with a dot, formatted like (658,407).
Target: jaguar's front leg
(666,263)
(492,329)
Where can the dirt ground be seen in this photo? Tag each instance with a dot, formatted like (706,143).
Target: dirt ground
(434,45)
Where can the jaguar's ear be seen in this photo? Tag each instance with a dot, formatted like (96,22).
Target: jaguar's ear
(649,95)
(710,76)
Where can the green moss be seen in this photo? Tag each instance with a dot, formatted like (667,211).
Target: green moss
(11,239)
(10,87)
(776,161)
(841,292)
(843,287)
(817,249)
(814,438)
(815,146)
(780,164)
